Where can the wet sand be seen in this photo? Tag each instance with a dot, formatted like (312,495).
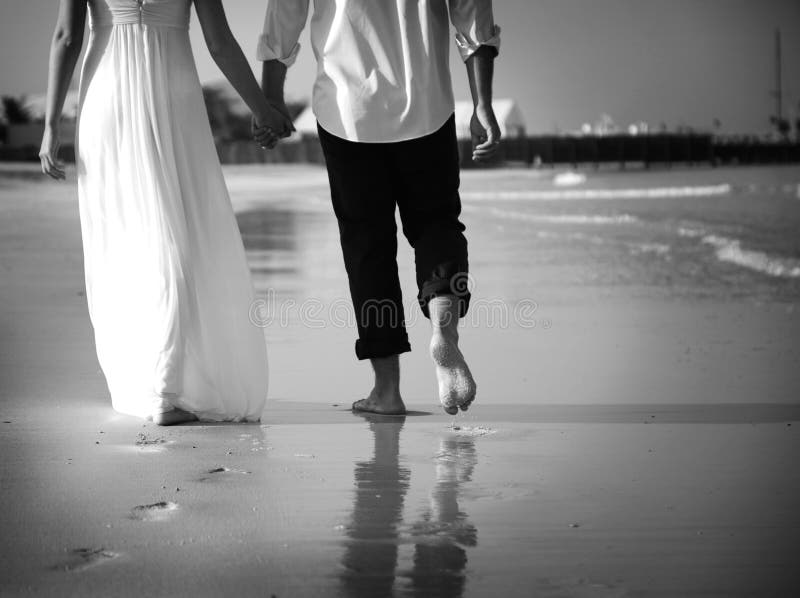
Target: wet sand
(580,472)
(319,502)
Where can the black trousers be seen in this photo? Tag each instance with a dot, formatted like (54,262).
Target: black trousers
(420,177)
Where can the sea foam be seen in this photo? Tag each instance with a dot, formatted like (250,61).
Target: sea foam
(563,218)
(573,194)
(728,249)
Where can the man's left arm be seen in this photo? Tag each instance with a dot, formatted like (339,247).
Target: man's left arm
(478,41)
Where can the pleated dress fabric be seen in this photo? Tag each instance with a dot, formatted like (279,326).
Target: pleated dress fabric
(167,283)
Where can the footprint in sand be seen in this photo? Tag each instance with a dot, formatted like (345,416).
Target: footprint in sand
(150,444)
(143,439)
(83,558)
(219,470)
(157,511)
(228,470)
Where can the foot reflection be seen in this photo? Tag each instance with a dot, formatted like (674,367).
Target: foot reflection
(439,536)
(440,560)
(370,556)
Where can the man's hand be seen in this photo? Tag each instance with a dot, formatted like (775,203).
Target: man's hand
(48,154)
(485,133)
(269,128)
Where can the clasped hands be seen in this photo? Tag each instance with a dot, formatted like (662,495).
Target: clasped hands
(273,125)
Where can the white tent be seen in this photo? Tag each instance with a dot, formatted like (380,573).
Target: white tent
(306,123)
(509,117)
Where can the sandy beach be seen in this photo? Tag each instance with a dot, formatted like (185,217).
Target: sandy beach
(635,434)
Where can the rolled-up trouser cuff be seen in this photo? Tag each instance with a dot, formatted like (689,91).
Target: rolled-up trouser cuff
(372,349)
(439,288)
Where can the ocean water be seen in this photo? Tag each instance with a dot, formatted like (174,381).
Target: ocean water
(720,234)
(714,233)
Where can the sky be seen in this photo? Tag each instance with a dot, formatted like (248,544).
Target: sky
(565,62)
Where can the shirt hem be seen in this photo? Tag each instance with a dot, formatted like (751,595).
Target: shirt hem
(400,139)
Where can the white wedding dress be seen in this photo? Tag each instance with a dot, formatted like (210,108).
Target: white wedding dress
(167,283)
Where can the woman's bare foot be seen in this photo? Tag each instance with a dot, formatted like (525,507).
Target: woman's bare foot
(385,397)
(456,385)
(173,417)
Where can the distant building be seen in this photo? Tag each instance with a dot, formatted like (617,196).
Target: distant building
(639,128)
(605,126)
(509,117)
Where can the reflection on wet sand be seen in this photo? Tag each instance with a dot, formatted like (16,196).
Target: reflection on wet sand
(370,556)
(270,228)
(293,252)
(440,536)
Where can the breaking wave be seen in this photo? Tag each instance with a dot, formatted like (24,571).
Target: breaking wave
(730,250)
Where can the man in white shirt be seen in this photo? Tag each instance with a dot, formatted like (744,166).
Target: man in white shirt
(384,104)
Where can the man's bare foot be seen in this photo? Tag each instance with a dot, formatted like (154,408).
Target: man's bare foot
(385,397)
(456,385)
(173,417)
(382,405)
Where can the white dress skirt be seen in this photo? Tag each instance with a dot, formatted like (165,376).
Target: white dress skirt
(167,282)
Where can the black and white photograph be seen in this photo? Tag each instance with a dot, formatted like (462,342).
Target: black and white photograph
(400,298)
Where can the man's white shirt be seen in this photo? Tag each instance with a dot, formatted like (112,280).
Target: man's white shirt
(382,65)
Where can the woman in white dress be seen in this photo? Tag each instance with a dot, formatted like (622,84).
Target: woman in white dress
(167,283)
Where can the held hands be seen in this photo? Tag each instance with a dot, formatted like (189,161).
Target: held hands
(485,133)
(48,154)
(275,124)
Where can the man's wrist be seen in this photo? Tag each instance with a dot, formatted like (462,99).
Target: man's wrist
(273,77)
(274,97)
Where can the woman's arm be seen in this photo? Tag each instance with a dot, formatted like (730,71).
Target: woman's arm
(231,61)
(64,51)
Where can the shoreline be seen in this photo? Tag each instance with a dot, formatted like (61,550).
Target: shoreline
(293,412)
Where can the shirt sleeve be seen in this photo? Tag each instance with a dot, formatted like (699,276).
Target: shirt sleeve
(283,23)
(474,24)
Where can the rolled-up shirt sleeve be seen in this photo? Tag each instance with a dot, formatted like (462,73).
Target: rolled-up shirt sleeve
(474,24)
(283,23)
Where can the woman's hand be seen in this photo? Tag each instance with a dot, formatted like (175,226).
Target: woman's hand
(48,154)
